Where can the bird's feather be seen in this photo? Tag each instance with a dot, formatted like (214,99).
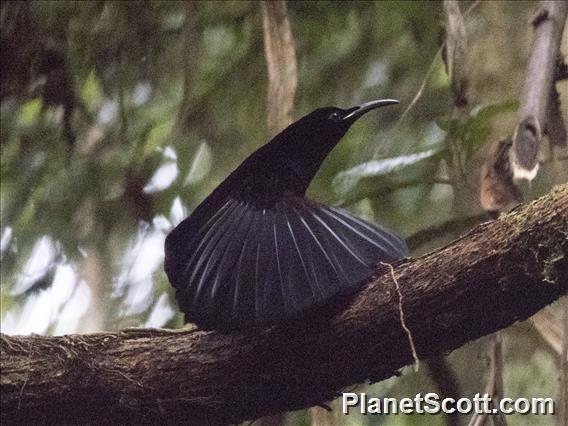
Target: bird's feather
(253,264)
(256,252)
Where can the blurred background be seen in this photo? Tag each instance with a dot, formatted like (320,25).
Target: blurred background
(118,118)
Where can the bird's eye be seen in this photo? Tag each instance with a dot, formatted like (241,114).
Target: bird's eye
(335,116)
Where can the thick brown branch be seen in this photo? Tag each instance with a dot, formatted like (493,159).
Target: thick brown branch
(499,273)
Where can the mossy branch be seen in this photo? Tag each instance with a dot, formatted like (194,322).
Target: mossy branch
(499,273)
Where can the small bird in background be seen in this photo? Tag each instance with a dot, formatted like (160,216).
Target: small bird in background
(256,252)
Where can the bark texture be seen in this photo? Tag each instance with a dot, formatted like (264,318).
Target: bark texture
(499,273)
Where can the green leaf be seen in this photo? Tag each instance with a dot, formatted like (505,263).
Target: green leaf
(201,164)
(29,112)
(346,180)
(478,126)
(157,136)
(447,124)
(91,89)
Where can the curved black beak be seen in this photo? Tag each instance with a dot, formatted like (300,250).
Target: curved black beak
(358,111)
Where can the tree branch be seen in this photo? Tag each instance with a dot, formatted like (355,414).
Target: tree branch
(499,273)
(549,24)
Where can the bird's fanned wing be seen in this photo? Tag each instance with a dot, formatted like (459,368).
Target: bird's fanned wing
(250,265)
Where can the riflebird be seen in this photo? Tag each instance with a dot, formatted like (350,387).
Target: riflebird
(256,252)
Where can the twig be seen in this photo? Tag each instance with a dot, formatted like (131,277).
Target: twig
(420,91)
(401,316)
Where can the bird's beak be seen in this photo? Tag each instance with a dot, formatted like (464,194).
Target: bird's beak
(358,111)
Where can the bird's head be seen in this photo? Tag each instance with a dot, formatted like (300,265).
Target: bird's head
(333,121)
(305,143)
(322,129)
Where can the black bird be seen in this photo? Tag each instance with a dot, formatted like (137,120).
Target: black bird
(256,252)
